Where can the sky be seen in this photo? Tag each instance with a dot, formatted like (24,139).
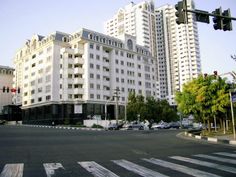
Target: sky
(20,20)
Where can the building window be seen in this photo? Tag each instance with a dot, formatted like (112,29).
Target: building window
(98,67)
(91,65)
(48,97)
(98,97)
(91,55)
(98,86)
(48,78)
(33,65)
(91,96)
(91,46)
(91,75)
(40,90)
(48,88)
(48,69)
(26,93)
(98,76)
(91,85)
(32,83)
(39,99)
(98,57)
(32,92)
(98,47)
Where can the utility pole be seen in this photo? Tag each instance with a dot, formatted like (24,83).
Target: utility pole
(116,95)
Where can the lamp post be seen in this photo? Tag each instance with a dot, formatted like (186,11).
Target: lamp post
(106,110)
(232,95)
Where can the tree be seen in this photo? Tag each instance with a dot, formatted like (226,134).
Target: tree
(205,97)
(151,109)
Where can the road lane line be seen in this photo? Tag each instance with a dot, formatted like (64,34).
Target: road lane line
(140,170)
(206,164)
(180,168)
(97,170)
(226,154)
(12,170)
(220,159)
(51,167)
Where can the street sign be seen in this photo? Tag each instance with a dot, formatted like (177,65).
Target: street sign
(233,97)
(78,109)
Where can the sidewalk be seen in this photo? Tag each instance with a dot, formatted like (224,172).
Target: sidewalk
(224,139)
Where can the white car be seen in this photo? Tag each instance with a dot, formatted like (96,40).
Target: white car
(160,125)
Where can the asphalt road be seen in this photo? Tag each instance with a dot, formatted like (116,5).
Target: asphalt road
(73,153)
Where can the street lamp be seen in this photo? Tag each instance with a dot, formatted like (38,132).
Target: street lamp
(106,110)
(232,94)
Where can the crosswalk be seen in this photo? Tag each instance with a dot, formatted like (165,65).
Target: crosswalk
(196,165)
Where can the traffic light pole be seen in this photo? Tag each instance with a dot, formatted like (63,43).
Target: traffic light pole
(208,14)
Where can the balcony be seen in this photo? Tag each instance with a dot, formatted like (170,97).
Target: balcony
(79,51)
(78,81)
(78,70)
(79,60)
(79,91)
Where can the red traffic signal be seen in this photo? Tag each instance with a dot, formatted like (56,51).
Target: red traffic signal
(13,90)
(3,89)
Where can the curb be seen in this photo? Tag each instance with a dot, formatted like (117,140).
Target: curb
(62,127)
(210,139)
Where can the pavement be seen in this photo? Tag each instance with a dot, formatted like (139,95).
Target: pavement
(223,139)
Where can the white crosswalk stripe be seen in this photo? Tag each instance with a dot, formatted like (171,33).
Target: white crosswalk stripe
(226,163)
(140,170)
(226,154)
(97,170)
(12,170)
(206,164)
(51,167)
(220,159)
(180,168)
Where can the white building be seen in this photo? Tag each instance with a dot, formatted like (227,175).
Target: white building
(175,47)
(137,20)
(6,81)
(74,75)
(178,51)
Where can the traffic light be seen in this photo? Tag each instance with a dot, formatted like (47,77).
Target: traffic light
(218,21)
(8,89)
(227,24)
(3,89)
(181,13)
(18,90)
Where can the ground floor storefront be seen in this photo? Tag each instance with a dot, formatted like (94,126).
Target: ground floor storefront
(69,113)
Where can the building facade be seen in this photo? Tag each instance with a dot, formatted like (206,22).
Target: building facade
(178,51)
(73,76)
(137,20)
(6,81)
(175,47)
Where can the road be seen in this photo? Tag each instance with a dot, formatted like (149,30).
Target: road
(39,152)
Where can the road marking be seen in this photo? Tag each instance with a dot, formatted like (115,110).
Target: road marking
(206,164)
(142,171)
(97,170)
(226,154)
(180,168)
(12,170)
(51,167)
(220,159)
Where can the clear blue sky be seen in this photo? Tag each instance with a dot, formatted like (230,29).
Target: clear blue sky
(20,19)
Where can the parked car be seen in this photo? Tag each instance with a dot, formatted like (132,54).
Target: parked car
(135,127)
(175,125)
(160,125)
(115,126)
(112,127)
(2,122)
